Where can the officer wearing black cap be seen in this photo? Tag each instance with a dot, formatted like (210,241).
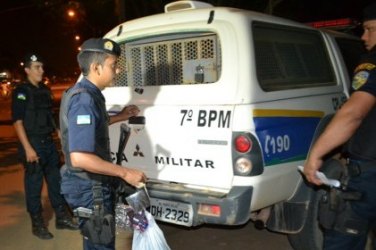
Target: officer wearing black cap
(354,124)
(34,124)
(88,171)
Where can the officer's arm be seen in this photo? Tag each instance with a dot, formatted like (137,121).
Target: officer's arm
(340,129)
(346,121)
(94,164)
(125,114)
(31,155)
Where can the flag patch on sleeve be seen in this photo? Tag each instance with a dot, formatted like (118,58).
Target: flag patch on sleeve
(83,119)
(21,96)
(360,79)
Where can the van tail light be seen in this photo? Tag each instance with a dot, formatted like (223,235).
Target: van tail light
(243,144)
(209,210)
(246,155)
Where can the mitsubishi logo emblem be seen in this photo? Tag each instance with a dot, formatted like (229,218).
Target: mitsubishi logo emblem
(138,152)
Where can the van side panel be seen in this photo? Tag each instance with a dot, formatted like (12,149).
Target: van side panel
(284,135)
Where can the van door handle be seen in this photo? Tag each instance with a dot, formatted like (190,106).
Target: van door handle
(137,120)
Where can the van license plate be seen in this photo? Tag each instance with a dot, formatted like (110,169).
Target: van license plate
(171,211)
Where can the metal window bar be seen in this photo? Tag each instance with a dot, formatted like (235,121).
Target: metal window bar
(169,62)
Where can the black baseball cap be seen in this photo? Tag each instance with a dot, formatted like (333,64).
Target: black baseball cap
(101,45)
(369,12)
(32,57)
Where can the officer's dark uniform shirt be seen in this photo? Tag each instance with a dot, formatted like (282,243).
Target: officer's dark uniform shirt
(33,105)
(363,143)
(84,126)
(88,125)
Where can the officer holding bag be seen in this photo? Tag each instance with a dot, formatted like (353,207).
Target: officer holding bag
(354,124)
(88,173)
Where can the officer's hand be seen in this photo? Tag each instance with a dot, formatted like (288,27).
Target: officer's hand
(31,155)
(58,133)
(129,111)
(311,166)
(134,177)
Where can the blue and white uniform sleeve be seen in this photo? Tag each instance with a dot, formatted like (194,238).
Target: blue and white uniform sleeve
(82,120)
(19,101)
(365,78)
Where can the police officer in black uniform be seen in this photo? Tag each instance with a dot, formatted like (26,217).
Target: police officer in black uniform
(34,124)
(355,125)
(88,171)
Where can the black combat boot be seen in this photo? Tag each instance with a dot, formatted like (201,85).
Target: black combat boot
(64,220)
(39,229)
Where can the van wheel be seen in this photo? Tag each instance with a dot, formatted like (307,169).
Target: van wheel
(311,235)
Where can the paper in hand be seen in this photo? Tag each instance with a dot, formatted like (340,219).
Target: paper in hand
(326,181)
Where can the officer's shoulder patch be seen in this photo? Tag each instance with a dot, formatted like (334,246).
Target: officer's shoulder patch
(365,66)
(360,78)
(21,96)
(83,119)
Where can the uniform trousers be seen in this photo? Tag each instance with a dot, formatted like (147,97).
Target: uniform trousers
(78,193)
(48,166)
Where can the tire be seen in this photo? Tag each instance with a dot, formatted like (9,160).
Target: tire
(311,235)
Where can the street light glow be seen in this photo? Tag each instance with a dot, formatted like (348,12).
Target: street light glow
(77,38)
(71,13)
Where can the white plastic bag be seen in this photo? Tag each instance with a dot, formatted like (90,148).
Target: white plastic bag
(150,239)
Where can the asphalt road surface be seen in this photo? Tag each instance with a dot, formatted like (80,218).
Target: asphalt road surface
(15,225)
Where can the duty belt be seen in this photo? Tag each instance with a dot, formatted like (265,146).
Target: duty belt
(86,175)
(357,166)
(40,138)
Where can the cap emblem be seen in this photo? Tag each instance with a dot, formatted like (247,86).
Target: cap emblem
(33,58)
(108,45)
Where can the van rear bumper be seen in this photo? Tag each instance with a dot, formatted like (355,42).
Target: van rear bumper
(235,206)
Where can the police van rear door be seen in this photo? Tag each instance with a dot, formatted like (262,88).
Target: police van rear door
(176,81)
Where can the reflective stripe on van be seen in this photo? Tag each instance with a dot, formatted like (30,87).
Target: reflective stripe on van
(285,135)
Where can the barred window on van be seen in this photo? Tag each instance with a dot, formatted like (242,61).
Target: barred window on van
(290,58)
(174,59)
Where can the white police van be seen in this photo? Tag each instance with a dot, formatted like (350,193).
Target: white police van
(232,101)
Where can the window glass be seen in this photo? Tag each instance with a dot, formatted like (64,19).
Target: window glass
(351,50)
(290,58)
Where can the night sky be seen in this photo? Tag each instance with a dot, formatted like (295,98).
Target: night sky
(31,25)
